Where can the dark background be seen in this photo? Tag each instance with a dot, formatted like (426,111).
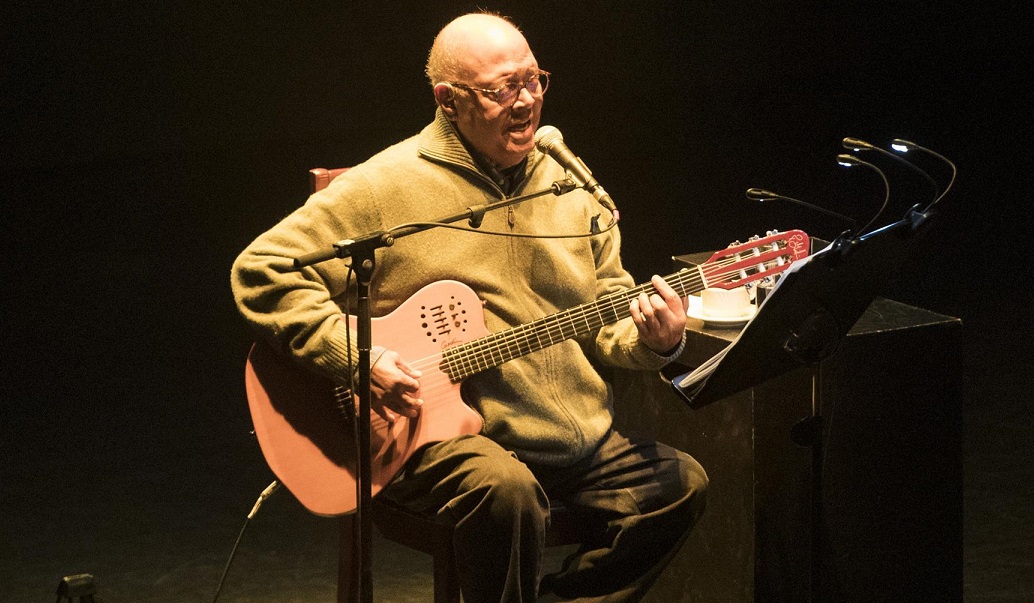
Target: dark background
(144,145)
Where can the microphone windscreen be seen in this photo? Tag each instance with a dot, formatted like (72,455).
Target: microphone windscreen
(546,136)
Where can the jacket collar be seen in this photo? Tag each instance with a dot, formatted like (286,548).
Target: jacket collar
(440,142)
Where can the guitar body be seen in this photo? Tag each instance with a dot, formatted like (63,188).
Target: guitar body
(308,440)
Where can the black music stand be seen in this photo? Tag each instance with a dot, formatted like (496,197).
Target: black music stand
(803,320)
(800,323)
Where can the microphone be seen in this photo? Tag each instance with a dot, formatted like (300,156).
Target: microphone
(851,161)
(904,146)
(549,140)
(761,195)
(854,144)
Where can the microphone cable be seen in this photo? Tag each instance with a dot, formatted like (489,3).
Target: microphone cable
(270,489)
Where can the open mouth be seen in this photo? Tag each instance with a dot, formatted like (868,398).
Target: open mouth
(520,127)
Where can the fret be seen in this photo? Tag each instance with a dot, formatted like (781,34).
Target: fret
(552,327)
(506,347)
(548,334)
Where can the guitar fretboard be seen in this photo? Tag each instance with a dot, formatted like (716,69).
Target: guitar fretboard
(734,266)
(493,350)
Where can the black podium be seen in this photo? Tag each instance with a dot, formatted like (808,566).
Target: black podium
(839,480)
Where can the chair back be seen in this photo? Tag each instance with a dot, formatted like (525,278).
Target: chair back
(319,178)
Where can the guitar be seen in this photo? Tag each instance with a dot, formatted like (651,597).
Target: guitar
(305,423)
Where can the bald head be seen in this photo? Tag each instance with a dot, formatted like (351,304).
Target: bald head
(473,57)
(470,42)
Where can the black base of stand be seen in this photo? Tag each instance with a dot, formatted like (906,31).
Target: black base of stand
(79,587)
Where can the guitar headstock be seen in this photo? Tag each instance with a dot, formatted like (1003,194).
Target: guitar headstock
(757,259)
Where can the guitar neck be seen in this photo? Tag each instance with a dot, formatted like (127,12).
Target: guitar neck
(464,360)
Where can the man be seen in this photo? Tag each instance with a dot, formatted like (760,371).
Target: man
(547,432)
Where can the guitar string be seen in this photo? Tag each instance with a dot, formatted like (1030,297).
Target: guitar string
(434,382)
(554,328)
(468,358)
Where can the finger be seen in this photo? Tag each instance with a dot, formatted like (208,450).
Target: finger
(409,370)
(664,313)
(385,413)
(667,294)
(410,406)
(662,287)
(406,385)
(646,308)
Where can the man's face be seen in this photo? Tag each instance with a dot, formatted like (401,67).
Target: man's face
(505,133)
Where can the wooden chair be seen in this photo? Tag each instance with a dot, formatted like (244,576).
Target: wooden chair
(422,533)
(319,178)
(413,530)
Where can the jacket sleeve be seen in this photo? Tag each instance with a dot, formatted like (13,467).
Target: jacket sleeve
(618,344)
(298,311)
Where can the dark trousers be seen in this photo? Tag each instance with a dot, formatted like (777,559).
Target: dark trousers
(637,500)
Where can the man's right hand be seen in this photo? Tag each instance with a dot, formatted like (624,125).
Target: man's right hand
(394,387)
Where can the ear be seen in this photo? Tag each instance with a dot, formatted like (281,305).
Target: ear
(445,96)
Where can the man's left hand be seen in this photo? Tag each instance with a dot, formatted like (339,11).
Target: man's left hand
(660,317)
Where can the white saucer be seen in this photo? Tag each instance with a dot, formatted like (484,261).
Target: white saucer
(717,322)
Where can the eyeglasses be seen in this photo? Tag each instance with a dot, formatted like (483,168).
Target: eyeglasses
(506,95)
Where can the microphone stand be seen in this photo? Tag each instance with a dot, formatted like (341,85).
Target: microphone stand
(362,251)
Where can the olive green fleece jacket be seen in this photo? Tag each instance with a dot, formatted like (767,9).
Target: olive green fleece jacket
(549,406)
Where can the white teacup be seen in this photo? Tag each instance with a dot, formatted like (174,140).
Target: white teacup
(725,303)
